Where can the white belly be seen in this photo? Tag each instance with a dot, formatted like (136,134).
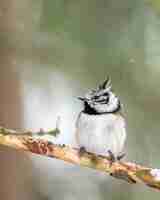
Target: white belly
(100,133)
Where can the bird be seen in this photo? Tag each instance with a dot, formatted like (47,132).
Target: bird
(101,125)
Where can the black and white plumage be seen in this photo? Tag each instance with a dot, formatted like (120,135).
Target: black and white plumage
(100,125)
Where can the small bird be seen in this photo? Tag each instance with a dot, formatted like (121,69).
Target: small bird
(100,127)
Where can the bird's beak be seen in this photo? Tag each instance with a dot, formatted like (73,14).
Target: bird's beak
(82,98)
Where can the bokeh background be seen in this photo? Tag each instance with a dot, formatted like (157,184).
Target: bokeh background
(54,50)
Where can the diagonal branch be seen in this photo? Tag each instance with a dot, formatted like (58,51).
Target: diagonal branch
(127,171)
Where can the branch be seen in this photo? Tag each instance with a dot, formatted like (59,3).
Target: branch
(127,171)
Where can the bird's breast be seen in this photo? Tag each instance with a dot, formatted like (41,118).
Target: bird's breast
(100,133)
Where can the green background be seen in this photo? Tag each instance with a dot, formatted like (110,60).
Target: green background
(54,50)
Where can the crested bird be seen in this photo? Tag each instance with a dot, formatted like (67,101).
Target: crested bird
(101,126)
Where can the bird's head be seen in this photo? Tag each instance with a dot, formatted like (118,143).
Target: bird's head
(101,100)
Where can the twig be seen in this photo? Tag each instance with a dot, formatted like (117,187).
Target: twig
(127,171)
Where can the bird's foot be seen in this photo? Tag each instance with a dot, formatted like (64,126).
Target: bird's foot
(112,157)
(120,156)
(82,150)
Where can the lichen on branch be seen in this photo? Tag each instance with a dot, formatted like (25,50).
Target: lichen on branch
(130,172)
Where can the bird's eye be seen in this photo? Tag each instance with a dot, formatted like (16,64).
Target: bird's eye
(107,99)
(106,94)
(96,97)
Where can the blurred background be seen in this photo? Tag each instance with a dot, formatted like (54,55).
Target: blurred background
(54,50)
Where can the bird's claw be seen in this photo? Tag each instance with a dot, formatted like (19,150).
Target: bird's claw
(119,157)
(82,150)
(112,157)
